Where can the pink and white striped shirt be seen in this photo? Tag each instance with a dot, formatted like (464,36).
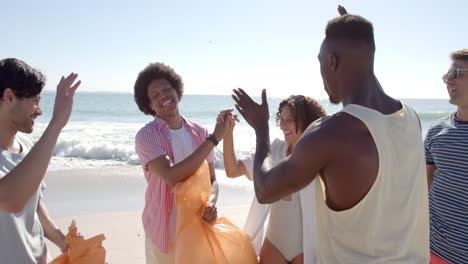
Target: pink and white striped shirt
(151,142)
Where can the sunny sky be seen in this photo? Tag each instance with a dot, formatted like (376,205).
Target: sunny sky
(220,45)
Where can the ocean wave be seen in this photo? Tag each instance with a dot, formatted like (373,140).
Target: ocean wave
(429,117)
(96,151)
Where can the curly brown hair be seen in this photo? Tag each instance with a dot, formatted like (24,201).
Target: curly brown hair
(153,72)
(304,111)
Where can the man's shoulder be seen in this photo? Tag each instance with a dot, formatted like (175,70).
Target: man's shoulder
(440,124)
(336,123)
(149,130)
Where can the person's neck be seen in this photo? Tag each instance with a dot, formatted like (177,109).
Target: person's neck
(174,121)
(360,89)
(462,113)
(7,136)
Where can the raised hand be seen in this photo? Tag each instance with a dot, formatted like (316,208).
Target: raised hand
(222,124)
(64,100)
(255,114)
(342,11)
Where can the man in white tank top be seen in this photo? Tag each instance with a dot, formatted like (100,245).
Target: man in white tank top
(372,189)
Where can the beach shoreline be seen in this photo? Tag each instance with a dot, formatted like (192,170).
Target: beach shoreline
(125,236)
(110,201)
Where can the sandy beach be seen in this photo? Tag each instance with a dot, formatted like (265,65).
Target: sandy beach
(110,201)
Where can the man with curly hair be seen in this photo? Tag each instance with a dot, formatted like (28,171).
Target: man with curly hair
(24,219)
(171,148)
(446,146)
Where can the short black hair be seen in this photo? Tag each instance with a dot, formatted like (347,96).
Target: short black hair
(352,28)
(22,79)
(153,72)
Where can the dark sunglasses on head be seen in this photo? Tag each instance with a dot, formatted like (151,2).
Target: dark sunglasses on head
(452,74)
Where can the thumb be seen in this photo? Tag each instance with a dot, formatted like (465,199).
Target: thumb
(264,99)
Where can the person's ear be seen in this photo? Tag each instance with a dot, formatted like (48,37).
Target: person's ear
(8,95)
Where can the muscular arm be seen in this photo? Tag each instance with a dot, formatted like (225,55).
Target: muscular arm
(51,231)
(308,158)
(430,168)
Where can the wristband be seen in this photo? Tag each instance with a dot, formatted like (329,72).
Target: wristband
(212,139)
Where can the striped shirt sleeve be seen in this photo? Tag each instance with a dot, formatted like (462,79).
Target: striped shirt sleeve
(427,147)
(148,146)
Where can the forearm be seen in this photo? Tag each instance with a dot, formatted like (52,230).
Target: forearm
(51,231)
(261,182)
(231,164)
(20,184)
(187,167)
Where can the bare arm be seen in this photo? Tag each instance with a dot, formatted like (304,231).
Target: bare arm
(51,231)
(175,173)
(430,168)
(20,184)
(234,167)
(308,158)
(306,161)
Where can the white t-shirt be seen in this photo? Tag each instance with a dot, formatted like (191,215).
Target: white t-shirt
(182,146)
(21,235)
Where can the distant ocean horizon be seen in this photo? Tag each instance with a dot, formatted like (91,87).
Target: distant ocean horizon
(102,128)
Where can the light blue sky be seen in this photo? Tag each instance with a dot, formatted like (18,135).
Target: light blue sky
(220,45)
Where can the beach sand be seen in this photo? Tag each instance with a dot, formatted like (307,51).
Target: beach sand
(110,201)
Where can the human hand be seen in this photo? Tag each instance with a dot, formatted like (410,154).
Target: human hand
(222,124)
(256,115)
(211,213)
(231,122)
(342,11)
(64,100)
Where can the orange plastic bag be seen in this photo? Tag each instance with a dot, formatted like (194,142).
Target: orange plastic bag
(198,242)
(80,250)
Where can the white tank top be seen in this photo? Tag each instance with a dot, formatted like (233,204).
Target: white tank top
(390,224)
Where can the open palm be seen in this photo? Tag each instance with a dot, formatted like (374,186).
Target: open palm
(255,114)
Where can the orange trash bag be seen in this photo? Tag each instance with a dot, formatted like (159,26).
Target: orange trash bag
(199,242)
(80,250)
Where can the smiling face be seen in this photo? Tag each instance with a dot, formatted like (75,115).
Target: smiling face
(23,112)
(458,88)
(163,98)
(288,126)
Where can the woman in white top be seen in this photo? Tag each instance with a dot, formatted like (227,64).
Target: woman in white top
(283,242)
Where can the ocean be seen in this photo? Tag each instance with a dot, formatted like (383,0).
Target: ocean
(100,135)
(102,128)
